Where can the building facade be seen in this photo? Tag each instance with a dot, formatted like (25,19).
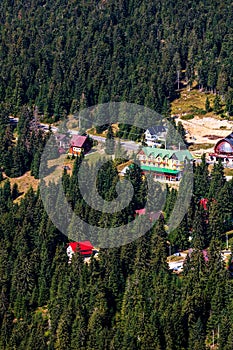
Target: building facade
(164,164)
(79,144)
(155,134)
(223,150)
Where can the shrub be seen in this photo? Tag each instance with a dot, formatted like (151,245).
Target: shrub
(187,117)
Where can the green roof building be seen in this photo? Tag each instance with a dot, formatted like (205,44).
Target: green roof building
(163,163)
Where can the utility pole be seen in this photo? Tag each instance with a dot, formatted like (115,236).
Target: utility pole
(227,240)
(178,79)
(213,337)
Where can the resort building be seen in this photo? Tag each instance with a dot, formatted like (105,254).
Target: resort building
(223,150)
(79,144)
(163,163)
(155,134)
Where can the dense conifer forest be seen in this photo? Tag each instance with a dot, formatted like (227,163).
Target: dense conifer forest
(127,298)
(61,55)
(56,57)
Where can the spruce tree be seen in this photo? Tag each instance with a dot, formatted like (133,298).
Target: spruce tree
(207,105)
(217,180)
(217,104)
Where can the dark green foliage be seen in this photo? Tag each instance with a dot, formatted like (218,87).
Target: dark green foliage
(15,191)
(207,105)
(229,102)
(18,157)
(127,297)
(107,180)
(217,104)
(62,56)
(217,180)
(201,179)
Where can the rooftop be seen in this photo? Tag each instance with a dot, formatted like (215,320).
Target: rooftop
(78,140)
(85,247)
(159,170)
(229,139)
(156,129)
(181,155)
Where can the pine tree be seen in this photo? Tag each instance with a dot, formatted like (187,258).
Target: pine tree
(64,328)
(98,323)
(207,105)
(15,191)
(216,221)
(199,230)
(201,179)
(217,104)
(217,180)
(197,336)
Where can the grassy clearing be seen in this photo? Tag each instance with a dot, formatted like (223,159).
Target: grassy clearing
(94,157)
(24,182)
(228,172)
(192,102)
(27,181)
(199,146)
(56,168)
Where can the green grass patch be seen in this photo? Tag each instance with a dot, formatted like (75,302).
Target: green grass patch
(96,156)
(228,172)
(192,102)
(198,146)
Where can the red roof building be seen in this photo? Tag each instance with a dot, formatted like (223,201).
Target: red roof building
(79,144)
(84,247)
(203,203)
(140,211)
(223,150)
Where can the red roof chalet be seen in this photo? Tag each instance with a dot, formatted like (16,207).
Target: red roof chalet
(79,144)
(85,247)
(78,140)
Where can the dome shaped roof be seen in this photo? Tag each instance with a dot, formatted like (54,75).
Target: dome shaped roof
(225,145)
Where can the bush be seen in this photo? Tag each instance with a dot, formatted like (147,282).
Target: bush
(187,117)
(198,111)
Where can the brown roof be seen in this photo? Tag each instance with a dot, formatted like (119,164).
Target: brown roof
(78,140)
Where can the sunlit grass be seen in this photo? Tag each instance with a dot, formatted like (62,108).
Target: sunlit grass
(191,100)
